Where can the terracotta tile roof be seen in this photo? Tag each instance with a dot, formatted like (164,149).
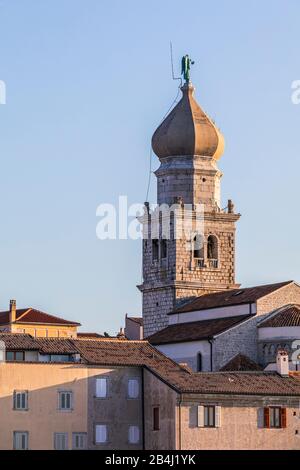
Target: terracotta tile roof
(194,331)
(289,315)
(114,352)
(229,297)
(32,315)
(25,342)
(242,383)
(241,363)
(141,353)
(19,342)
(81,335)
(56,346)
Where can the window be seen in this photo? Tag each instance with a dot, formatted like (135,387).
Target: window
(102,387)
(212,251)
(60,440)
(155,250)
(275,417)
(155,418)
(20,440)
(199,362)
(209,416)
(101,433)
(133,388)
(65,400)
(15,356)
(79,440)
(163,248)
(198,247)
(21,400)
(133,434)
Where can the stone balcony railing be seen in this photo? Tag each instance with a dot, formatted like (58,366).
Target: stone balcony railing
(211,263)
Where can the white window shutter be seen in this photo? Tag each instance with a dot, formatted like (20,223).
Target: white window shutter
(218,416)
(101,433)
(134,434)
(200,416)
(101,387)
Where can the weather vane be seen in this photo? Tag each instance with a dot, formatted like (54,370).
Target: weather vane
(186,63)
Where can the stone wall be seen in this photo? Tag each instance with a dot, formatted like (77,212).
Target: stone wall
(239,339)
(286,295)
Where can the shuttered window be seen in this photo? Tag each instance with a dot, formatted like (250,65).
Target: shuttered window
(79,440)
(20,440)
(65,400)
(60,440)
(133,388)
(101,433)
(275,417)
(102,387)
(20,400)
(133,434)
(209,416)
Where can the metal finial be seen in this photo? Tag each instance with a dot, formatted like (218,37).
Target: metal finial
(186,63)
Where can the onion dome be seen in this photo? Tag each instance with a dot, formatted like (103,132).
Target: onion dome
(187,130)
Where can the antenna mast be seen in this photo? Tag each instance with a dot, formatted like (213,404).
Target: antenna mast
(172,65)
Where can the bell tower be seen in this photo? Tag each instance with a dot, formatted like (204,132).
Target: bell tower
(179,265)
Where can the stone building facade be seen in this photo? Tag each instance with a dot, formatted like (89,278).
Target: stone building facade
(197,254)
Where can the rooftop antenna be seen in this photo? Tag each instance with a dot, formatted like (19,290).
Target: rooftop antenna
(172,65)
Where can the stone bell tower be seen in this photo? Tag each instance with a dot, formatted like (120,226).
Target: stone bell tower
(201,260)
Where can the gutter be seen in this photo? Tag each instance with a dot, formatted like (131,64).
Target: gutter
(179,423)
(143,411)
(211,353)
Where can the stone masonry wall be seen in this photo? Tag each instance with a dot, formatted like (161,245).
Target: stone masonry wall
(286,295)
(239,339)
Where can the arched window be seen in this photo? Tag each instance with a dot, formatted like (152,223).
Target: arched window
(265,350)
(212,251)
(199,362)
(198,246)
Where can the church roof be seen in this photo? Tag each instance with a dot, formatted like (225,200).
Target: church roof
(195,331)
(229,297)
(187,130)
(32,315)
(286,316)
(240,362)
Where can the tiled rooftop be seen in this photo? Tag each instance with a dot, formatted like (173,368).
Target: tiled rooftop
(230,297)
(194,331)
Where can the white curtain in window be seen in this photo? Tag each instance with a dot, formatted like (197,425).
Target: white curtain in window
(101,433)
(101,387)
(133,388)
(134,434)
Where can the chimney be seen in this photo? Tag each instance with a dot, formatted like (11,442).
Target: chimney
(12,311)
(121,334)
(282,363)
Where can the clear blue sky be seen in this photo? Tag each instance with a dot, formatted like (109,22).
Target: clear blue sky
(87,83)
